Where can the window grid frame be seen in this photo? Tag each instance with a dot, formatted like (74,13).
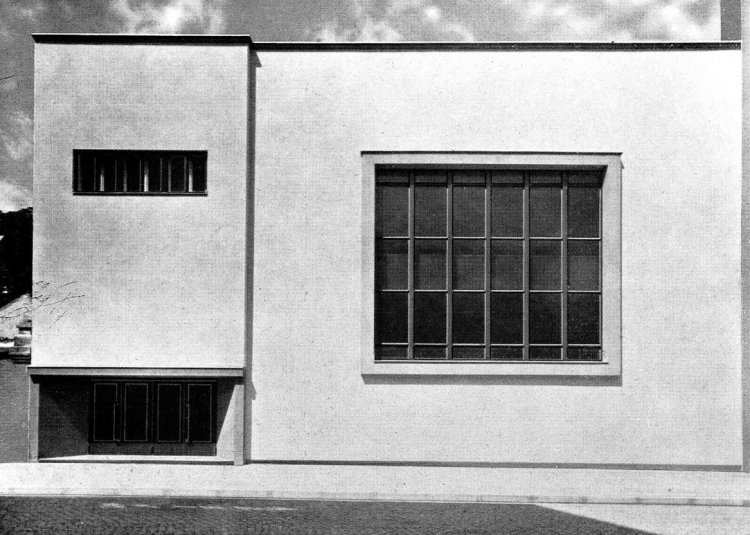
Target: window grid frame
(488,237)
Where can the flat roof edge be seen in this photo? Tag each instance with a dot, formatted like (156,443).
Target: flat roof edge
(407,46)
(401,46)
(139,39)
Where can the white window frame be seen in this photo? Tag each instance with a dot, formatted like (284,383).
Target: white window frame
(610,163)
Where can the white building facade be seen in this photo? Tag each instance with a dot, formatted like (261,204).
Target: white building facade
(507,254)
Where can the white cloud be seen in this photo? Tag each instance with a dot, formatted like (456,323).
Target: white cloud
(673,20)
(606,20)
(32,12)
(367,30)
(433,13)
(172,17)
(16,136)
(461,32)
(393,20)
(13,197)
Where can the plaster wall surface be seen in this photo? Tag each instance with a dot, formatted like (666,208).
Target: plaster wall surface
(14,400)
(134,281)
(674,115)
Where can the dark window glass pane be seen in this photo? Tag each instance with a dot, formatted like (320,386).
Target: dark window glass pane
(468,211)
(507,176)
(468,318)
(583,212)
(429,317)
(507,265)
(136,412)
(583,318)
(153,170)
(392,211)
(199,174)
(544,318)
(132,173)
(546,177)
(168,415)
(391,317)
(544,211)
(506,353)
(120,173)
(177,174)
(469,177)
(544,265)
(583,265)
(507,211)
(506,325)
(468,353)
(106,173)
(87,173)
(584,178)
(105,412)
(429,211)
(430,177)
(468,265)
(429,264)
(200,413)
(391,264)
(392,176)
(165,174)
(545,353)
(584,353)
(390,353)
(429,352)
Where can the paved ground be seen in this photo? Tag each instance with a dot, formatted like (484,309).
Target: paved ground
(668,519)
(229,516)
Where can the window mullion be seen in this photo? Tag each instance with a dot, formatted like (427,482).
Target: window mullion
(79,176)
(410,271)
(146,173)
(526,319)
(487,264)
(564,266)
(189,170)
(449,270)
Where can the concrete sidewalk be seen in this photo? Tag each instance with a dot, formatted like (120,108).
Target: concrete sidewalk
(379,482)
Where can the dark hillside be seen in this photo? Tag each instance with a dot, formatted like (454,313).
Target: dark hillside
(15,254)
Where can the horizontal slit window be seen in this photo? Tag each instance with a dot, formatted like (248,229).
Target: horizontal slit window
(127,172)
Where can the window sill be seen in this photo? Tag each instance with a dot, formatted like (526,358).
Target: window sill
(492,368)
(138,459)
(139,194)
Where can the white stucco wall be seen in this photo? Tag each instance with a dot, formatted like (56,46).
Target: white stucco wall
(140,281)
(674,115)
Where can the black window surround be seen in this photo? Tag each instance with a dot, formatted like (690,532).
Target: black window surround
(139,172)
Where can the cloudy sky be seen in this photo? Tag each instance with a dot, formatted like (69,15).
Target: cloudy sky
(315,20)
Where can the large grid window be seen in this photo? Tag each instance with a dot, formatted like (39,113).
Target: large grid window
(488,265)
(139,172)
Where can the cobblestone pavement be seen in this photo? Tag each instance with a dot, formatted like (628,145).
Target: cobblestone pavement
(171,515)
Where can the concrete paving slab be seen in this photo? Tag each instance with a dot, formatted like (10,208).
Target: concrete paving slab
(378,482)
(666,519)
